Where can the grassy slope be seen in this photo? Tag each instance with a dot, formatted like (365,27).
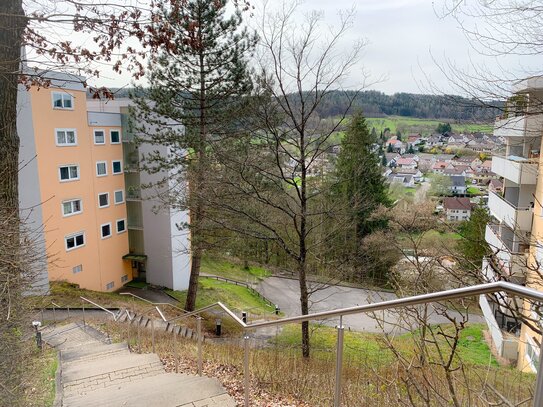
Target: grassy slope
(39,376)
(224,268)
(472,347)
(236,297)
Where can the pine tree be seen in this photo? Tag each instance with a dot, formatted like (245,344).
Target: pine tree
(384,161)
(410,150)
(197,80)
(359,178)
(389,148)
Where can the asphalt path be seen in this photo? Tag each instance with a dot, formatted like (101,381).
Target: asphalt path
(285,293)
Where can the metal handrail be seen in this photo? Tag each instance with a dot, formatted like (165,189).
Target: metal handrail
(154,303)
(457,293)
(99,306)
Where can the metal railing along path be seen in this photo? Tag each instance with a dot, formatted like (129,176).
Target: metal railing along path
(458,293)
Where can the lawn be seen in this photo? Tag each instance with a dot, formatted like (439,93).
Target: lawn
(472,348)
(236,297)
(229,269)
(474,191)
(431,238)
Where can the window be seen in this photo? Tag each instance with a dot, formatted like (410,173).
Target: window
(121,225)
(69,172)
(115,136)
(74,241)
(117,167)
(77,269)
(109,286)
(105,230)
(103,200)
(99,137)
(66,137)
(118,196)
(124,278)
(71,207)
(101,168)
(62,100)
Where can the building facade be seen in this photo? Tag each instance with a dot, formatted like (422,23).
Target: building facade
(516,232)
(79,194)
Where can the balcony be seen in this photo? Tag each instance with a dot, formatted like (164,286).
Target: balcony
(133,193)
(507,252)
(519,126)
(516,169)
(513,216)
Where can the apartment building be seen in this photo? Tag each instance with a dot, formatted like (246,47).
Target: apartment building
(516,232)
(74,195)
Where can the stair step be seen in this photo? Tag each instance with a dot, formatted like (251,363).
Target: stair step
(94,352)
(80,378)
(165,390)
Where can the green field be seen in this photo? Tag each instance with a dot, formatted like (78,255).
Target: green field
(408,125)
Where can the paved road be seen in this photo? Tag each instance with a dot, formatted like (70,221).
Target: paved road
(285,293)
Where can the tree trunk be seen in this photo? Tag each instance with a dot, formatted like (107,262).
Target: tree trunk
(190,303)
(11,282)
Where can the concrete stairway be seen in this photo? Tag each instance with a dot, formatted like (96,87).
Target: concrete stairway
(145,322)
(96,373)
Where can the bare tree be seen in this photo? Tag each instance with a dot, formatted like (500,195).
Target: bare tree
(276,191)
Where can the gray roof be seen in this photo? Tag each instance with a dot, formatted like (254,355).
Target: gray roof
(458,181)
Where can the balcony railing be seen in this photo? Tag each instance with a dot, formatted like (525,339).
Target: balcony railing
(512,216)
(519,126)
(516,169)
(133,194)
(512,262)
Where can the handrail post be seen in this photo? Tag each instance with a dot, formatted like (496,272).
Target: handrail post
(538,395)
(153,333)
(199,330)
(176,356)
(339,362)
(246,369)
(84,321)
(54,314)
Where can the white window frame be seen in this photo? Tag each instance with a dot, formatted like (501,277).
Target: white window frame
(111,138)
(63,97)
(79,267)
(69,179)
(117,226)
(65,215)
(102,231)
(65,144)
(115,196)
(103,193)
(94,131)
(105,166)
(113,164)
(74,235)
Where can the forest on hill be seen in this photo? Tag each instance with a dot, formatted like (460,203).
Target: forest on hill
(378,104)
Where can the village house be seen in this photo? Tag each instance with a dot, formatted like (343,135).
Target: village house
(458,185)
(457,209)
(409,163)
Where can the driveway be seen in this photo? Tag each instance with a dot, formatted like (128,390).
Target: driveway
(285,293)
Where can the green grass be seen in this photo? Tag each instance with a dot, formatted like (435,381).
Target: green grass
(236,297)
(474,191)
(408,125)
(472,348)
(224,268)
(39,376)
(136,284)
(430,238)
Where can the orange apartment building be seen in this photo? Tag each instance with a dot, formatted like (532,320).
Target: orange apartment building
(74,195)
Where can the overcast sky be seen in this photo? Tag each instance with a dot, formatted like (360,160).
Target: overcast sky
(407,41)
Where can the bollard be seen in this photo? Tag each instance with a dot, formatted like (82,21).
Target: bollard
(244,316)
(218,327)
(277,309)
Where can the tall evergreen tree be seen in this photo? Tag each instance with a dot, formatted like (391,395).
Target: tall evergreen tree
(197,80)
(359,178)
